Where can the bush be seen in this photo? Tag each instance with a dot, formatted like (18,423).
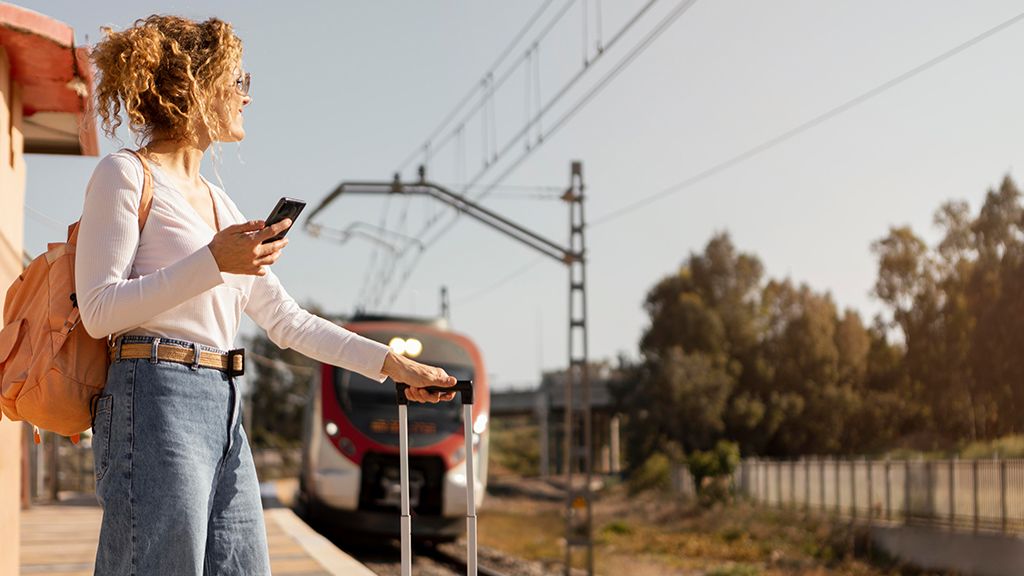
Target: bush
(654,474)
(514,447)
(711,469)
(720,461)
(735,570)
(1005,447)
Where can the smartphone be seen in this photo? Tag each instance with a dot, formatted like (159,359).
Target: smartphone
(286,208)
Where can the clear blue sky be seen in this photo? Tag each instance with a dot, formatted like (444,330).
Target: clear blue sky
(346,90)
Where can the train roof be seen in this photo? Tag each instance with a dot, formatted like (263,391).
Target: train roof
(438,322)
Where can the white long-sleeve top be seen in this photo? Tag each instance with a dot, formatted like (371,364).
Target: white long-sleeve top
(165,282)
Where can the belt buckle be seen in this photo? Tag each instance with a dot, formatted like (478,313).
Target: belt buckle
(232,354)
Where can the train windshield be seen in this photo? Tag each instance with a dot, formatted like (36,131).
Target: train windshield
(371,407)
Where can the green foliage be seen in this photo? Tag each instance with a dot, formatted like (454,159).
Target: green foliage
(711,470)
(778,368)
(654,474)
(721,461)
(735,570)
(1007,447)
(279,383)
(515,447)
(618,527)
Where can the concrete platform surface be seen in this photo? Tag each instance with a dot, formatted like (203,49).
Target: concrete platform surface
(60,540)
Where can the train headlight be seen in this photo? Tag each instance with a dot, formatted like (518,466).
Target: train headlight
(413,347)
(398,345)
(331,428)
(480,425)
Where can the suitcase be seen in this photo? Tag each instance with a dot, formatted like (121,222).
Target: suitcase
(465,390)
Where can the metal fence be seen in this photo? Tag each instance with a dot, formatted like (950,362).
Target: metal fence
(979,495)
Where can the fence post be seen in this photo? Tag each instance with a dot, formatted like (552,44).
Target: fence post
(930,481)
(1002,493)
(821,481)
(952,490)
(906,491)
(839,487)
(778,478)
(888,490)
(807,486)
(974,485)
(765,471)
(792,484)
(853,488)
(871,491)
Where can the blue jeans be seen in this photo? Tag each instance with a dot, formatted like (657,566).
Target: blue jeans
(174,473)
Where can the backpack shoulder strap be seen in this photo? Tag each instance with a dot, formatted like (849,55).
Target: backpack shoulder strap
(147,190)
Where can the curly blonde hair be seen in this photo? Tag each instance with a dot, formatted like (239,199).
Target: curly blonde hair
(166,72)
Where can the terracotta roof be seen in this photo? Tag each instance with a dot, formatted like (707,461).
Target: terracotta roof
(56,80)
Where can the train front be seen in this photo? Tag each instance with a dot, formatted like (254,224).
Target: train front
(350,475)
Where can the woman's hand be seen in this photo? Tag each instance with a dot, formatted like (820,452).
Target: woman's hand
(237,248)
(418,376)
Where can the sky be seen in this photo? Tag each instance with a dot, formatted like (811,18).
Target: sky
(348,90)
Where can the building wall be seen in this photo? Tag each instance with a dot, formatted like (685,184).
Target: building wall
(12,197)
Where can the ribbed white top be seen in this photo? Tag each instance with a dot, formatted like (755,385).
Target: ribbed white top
(166,283)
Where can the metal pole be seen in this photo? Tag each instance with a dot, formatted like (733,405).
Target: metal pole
(792,484)
(807,485)
(821,478)
(544,417)
(1002,494)
(853,488)
(406,527)
(467,416)
(888,490)
(839,486)
(974,489)
(52,438)
(952,491)
(906,492)
(616,458)
(578,502)
(871,491)
(929,468)
(778,480)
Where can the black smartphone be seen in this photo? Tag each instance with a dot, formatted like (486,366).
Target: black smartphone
(286,208)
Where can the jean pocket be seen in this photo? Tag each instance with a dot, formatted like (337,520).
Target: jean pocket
(101,434)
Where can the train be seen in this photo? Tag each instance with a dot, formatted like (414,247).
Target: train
(349,479)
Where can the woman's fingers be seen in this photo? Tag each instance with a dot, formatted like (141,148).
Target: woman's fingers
(421,395)
(424,376)
(273,230)
(267,260)
(275,246)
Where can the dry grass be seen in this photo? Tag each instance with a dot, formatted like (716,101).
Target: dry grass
(655,535)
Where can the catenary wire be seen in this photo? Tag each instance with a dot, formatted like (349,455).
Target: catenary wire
(805,126)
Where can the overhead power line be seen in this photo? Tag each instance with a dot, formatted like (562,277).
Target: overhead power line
(477,86)
(805,126)
(664,24)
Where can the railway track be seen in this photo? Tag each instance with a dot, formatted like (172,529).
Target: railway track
(457,563)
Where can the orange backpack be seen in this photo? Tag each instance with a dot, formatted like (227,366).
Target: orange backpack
(50,367)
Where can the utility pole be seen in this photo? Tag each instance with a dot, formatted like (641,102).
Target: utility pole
(446,310)
(578,509)
(579,526)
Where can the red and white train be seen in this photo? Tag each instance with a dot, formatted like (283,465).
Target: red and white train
(350,470)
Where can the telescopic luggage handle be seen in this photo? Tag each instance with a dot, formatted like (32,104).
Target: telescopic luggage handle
(463,387)
(465,390)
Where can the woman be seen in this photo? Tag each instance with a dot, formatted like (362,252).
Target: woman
(174,470)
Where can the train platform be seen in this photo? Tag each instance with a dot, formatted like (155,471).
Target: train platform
(60,540)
